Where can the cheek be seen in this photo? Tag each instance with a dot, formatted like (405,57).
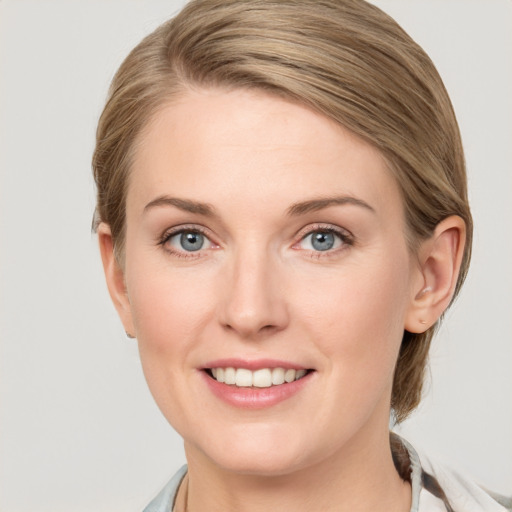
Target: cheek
(169,308)
(360,315)
(169,314)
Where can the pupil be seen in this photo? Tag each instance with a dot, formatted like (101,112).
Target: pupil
(322,241)
(191,241)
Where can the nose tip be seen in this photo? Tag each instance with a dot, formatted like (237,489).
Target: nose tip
(254,303)
(249,326)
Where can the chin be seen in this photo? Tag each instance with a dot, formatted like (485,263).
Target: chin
(267,453)
(264,465)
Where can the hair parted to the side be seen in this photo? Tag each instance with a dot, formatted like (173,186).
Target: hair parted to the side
(345,59)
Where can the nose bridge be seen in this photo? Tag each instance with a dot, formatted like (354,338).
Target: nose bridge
(254,300)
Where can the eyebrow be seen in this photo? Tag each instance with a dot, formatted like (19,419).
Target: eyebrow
(183,204)
(324,202)
(296,209)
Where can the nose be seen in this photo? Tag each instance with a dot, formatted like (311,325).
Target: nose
(253,300)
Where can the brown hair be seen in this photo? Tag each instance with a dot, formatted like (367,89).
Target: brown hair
(345,59)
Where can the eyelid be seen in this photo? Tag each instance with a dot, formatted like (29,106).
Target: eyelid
(169,232)
(346,237)
(324,226)
(176,230)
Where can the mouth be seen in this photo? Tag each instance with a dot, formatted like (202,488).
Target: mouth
(260,378)
(256,384)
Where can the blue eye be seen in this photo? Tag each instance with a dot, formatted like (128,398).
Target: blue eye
(188,241)
(321,240)
(191,241)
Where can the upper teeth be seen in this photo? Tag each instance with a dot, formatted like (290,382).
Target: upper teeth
(263,378)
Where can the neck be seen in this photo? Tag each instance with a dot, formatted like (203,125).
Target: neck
(361,477)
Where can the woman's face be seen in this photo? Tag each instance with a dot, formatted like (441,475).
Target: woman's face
(263,238)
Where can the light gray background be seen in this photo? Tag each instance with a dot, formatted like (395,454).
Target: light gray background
(78,429)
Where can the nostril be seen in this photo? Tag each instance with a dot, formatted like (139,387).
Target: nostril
(249,331)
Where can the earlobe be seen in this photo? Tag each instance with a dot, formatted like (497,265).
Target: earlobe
(439,260)
(114,276)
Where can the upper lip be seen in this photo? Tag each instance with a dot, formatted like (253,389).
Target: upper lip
(255,364)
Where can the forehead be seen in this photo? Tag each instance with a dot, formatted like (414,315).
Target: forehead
(217,145)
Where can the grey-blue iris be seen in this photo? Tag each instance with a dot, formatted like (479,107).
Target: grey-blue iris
(191,241)
(322,241)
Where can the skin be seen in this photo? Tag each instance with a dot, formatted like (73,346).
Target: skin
(259,289)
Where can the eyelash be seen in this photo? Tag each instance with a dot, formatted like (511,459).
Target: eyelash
(346,238)
(178,231)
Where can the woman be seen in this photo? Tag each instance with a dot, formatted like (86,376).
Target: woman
(283,220)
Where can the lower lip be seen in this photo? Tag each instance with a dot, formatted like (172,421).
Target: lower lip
(255,398)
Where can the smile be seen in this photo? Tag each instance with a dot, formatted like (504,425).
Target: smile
(256,384)
(261,378)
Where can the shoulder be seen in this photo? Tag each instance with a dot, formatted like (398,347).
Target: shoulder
(164,501)
(434,482)
(461,492)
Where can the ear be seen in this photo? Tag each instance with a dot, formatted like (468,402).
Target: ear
(439,260)
(114,276)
